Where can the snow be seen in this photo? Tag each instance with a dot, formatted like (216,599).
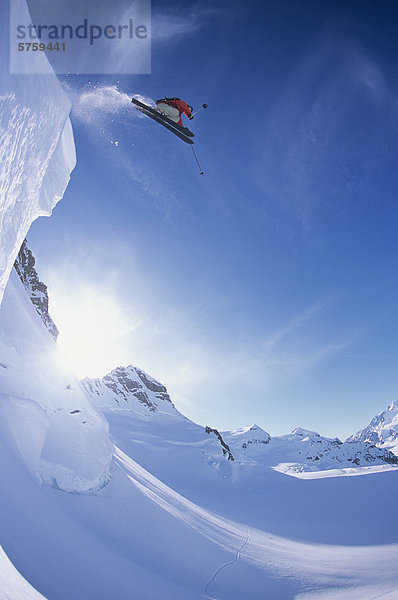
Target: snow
(130,388)
(303,450)
(46,417)
(37,151)
(12,585)
(247,441)
(382,430)
(44,412)
(159,512)
(211,538)
(176,520)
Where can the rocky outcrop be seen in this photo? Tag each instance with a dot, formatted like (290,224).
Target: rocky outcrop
(37,290)
(130,388)
(225,448)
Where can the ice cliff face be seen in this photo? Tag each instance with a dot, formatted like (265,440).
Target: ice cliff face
(46,420)
(36,289)
(382,430)
(37,152)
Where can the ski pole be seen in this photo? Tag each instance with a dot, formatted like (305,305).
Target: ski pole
(196,158)
(196,112)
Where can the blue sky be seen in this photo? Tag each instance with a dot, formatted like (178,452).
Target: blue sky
(265,291)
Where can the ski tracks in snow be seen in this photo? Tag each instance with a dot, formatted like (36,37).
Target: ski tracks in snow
(226,564)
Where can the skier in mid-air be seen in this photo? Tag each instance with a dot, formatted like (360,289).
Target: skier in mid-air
(168,113)
(173,108)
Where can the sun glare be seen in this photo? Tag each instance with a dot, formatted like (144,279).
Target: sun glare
(93,330)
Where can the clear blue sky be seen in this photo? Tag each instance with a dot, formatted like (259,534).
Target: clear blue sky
(265,291)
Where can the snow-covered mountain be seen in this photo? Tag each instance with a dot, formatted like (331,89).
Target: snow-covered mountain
(133,391)
(304,450)
(133,401)
(382,430)
(247,441)
(129,388)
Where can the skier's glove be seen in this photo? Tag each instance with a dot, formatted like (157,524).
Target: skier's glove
(191,117)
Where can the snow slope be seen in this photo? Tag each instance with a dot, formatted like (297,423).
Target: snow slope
(37,151)
(176,520)
(141,413)
(12,584)
(140,538)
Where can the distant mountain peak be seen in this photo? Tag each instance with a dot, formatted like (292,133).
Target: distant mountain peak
(130,388)
(303,450)
(247,439)
(382,429)
(313,435)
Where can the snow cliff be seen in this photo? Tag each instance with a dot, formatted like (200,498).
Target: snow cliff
(46,419)
(37,151)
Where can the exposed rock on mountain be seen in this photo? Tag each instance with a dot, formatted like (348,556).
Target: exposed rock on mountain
(124,386)
(130,388)
(37,290)
(225,448)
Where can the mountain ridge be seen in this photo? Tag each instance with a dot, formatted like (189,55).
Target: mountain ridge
(131,389)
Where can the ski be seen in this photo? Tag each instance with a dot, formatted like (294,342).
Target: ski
(152,112)
(159,119)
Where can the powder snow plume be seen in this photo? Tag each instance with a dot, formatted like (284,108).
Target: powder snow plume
(102,102)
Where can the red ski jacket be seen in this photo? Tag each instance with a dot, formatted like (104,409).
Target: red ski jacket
(178,103)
